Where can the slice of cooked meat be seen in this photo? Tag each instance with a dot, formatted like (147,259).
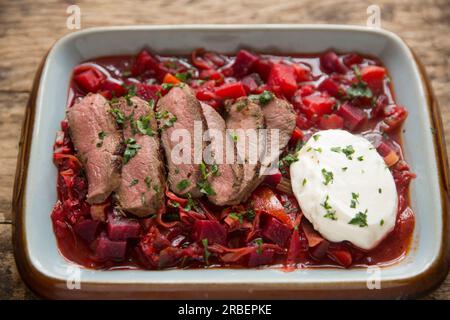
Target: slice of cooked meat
(226,181)
(141,189)
(179,112)
(244,119)
(98,142)
(279,115)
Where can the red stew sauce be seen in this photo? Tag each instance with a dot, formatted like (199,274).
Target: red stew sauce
(328,91)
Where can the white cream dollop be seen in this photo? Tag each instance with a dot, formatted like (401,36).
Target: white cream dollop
(344,188)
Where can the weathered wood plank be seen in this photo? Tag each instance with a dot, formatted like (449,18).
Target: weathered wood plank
(11,285)
(12,107)
(28,29)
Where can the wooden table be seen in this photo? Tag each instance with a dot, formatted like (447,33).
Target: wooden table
(28,29)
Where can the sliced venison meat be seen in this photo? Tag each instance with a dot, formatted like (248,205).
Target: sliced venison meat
(279,115)
(244,119)
(226,180)
(141,189)
(98,143)
(178,113)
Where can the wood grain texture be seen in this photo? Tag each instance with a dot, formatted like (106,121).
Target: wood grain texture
(28,28)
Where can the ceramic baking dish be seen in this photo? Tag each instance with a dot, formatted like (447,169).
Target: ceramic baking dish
(47,273)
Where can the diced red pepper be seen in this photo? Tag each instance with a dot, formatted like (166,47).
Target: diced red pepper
(273,179)
(395,116)
(146,62)
(329,62)
(90,80)
(318,104)
(353,117)
(230,90)
(265,200)
(211,74)
(243,63)
(283,76)
(302,122)
(374,77)
(297,134)
(332,121)
(148,91)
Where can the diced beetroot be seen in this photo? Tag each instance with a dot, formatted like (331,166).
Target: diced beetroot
(388,153)
(121,228)
(298,247)
(243,63)
(110,250)
(262,67)
(276,231)
(353,117)
(318,104)
(374,77)
(251,82)
(302,72)
(87,229)
(90,79)
(384,149)
(329,62)
(257,259)
(231,91)
(331,87)
(331,121)
(380,105)
(283,76)
(113,89)
(341,256)
(148,91)
(273,179)
(211,230)
(351,59)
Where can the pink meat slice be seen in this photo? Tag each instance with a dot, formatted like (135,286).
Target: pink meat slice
(142,184)
(98,142)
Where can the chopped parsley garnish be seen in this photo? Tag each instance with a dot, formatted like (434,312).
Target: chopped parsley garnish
(208,171)
(165,119)
(331,214)
(157,188)
(360,158)
(134,182)
(185,76)
(167,86)
(360,219)
(344,168)
(234,136)
(148,182)
(143,125)
(151,103)
(131,149)
(304,181)
(336,149)
(183,184)
(190,203)
(236,216)
(264,98)
(359,90)
(381,222)
(131,93)
(241,105)
(316,137)
(207,254)
(328,176)
(355,200)
(259,242)
(250,215)
(101,136)
(286,161)
(206,188)
(348,151)
(118,114)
